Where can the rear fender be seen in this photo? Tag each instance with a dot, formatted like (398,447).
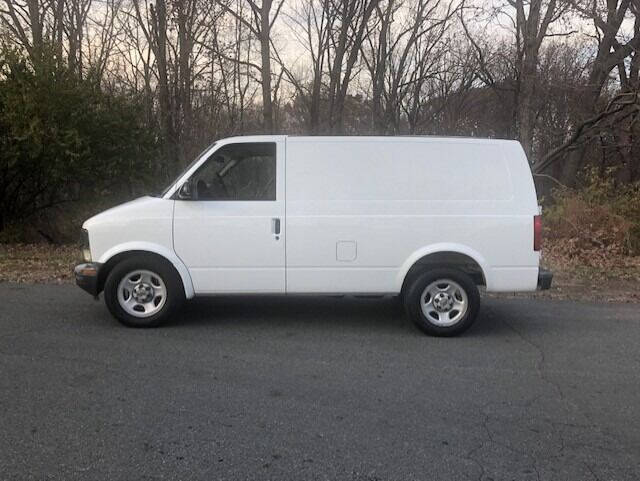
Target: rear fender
(441,247)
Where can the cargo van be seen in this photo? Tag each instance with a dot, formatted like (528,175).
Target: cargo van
(426,218)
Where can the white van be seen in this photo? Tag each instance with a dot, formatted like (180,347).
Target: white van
(427,218)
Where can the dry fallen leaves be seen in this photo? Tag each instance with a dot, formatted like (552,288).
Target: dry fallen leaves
(37,262)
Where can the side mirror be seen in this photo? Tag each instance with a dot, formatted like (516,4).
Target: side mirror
(186,191)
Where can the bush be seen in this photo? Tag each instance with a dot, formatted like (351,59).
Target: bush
(63,139)
(597,221)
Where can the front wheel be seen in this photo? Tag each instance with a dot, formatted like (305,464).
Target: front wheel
(442,302)
(143,291)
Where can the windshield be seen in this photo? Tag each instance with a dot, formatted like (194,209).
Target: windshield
(186,169)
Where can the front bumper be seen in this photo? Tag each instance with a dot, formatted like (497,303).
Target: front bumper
(87,277)
(545,277)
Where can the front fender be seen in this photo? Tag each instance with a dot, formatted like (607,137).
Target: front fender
(155,249)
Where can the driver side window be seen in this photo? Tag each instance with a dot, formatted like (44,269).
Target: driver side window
(245,171)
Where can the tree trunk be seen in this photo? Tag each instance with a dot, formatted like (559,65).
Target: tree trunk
(576,158)
(35,22)
(380,68)
(265,73)
(267,104)
(164,100)
(314,104)
(184,79)
(526,113)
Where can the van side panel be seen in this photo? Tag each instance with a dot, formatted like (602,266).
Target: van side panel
(359,208)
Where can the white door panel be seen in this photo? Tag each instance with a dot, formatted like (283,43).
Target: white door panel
(233,246)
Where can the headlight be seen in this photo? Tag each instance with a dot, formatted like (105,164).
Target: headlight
(86,251)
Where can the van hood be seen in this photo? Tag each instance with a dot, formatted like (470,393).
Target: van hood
(143,207)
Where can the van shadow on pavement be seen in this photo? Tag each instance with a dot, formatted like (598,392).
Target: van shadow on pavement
(370,314)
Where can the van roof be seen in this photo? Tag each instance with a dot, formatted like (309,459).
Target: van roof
(377,138)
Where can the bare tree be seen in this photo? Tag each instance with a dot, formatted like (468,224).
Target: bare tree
(312,26)
(399,58)
(153,23)
(104,36)
(623,106)
(34,23)
(613,50)
(530,22)
(75,22)
(443,101)
(531,28)
(351,24)
(260,25)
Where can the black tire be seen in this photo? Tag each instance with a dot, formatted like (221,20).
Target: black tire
(413,294)
(168,275)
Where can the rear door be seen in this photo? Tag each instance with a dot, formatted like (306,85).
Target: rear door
(231,233)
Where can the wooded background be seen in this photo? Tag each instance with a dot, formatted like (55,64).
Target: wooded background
(108,98)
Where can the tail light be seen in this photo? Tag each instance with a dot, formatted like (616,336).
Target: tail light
(537,232)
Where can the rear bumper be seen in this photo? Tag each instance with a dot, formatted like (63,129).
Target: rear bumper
(87,277)
(544,279)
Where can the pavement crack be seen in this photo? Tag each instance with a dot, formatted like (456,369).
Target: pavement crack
(569,405)
(592,472)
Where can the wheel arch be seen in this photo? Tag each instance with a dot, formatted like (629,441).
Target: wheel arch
(444,255)
(125,251)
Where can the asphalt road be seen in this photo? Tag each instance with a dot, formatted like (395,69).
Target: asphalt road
(316,388)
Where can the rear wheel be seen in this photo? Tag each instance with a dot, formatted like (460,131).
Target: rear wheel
(143,291)
(442,301)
